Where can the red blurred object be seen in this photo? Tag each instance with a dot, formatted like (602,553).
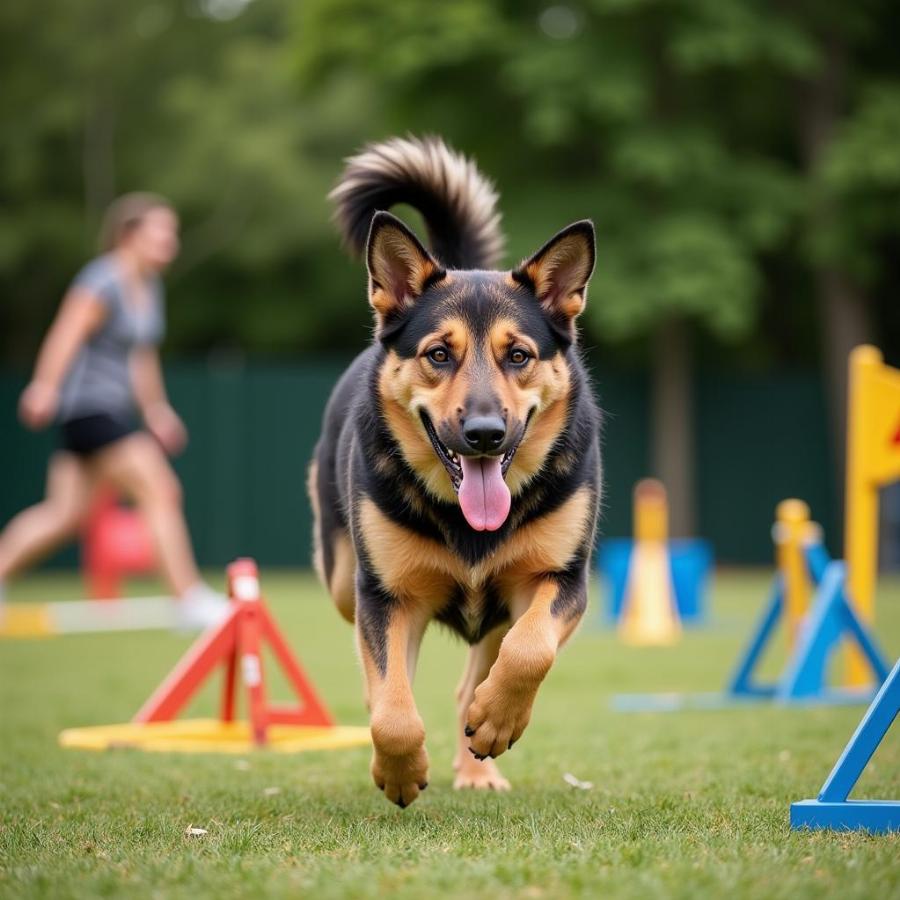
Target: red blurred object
(116,542)
(239,640)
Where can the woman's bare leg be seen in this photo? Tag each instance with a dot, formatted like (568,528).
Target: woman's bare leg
(40,529)
(137,466)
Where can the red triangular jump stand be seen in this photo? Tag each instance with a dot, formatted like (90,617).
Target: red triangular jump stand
(240,638)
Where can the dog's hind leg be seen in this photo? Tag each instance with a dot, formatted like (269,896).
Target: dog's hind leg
(471,772)
(333,556)
(343,575)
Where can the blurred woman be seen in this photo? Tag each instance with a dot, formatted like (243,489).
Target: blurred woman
(98,375)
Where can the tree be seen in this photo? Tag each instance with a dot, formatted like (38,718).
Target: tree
(738,158)
(100,98)
(610,113)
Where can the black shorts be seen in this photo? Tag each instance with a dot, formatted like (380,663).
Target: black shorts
(88,434)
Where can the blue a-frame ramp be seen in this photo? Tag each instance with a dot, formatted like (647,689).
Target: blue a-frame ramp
(832,809)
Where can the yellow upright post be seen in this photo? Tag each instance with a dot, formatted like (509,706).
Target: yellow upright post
(651,511)
(873,460)
(792,530)
(650,611)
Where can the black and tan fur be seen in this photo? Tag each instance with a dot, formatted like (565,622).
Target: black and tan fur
(456,340)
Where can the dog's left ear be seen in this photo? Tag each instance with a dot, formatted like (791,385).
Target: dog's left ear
(559,272)
(399,267)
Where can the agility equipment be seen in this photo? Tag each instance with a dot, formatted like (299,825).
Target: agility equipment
(842,609)
(832,808)
(643,574)
(236,646)
(831,620)
(41,620)
(873,461)
(816,627)
(115,542)
(650,612)
(808,596)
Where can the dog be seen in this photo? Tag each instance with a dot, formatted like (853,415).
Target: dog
(458,476)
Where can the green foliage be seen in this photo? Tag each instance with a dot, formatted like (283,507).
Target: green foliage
(860,175)
(675,124)
(684,265)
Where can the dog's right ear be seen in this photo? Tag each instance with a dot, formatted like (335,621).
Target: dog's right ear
(399,267)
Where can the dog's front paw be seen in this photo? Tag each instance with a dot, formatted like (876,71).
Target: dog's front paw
(496,719)
(402,778)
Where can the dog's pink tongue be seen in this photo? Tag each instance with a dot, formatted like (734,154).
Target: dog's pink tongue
(483,494)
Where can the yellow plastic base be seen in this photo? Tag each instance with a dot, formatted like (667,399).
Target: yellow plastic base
(26,620)
(211,736)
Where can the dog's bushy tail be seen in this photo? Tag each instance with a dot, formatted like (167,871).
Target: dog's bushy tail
(457,202)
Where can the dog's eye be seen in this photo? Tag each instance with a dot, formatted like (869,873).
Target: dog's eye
(438,355)
(518,356)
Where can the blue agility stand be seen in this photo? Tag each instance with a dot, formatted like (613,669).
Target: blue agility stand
(742,683)
(832,809)
(830,621)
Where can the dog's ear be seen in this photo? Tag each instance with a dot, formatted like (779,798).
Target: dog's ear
(399,267)
(559,272)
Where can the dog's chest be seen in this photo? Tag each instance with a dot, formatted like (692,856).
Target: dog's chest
(472,611)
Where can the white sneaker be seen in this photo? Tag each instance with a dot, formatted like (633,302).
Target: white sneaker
(200,607)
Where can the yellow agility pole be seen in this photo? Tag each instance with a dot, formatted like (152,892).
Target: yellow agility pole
(873,461)
(793,531)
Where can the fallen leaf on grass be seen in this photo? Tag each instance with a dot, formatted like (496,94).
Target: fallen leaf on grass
(570,779)
(271,791)
(195,832)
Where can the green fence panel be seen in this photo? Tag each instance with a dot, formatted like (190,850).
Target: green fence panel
(253,426)
(758,441)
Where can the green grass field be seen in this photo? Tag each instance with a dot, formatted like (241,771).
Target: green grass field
(690,804)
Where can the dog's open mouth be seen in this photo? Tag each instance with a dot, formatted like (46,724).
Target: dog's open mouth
(484,497)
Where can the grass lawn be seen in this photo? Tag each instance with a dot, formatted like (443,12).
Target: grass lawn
(689,804)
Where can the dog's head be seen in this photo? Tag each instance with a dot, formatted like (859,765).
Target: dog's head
(476,379)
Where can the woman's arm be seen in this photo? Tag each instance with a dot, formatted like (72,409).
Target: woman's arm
(150,393)
(80,315)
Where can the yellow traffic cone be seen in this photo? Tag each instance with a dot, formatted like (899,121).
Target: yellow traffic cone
(650,611)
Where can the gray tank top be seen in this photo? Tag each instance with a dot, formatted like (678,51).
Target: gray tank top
(99,380)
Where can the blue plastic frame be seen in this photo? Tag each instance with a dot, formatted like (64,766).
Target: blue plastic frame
(832,808)
(831,620)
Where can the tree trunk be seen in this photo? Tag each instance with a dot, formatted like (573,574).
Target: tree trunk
(843,307)
(98,157)
(672,424)
(846,317)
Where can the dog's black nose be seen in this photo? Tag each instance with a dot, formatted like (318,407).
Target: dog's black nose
(484,433)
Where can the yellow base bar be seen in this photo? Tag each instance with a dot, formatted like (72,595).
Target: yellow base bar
(211,736)
(26,620)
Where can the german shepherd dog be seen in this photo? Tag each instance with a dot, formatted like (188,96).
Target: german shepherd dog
(457,477)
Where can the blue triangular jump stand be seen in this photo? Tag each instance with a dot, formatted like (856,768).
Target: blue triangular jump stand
(742,683)
(832,809)
(831,619)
